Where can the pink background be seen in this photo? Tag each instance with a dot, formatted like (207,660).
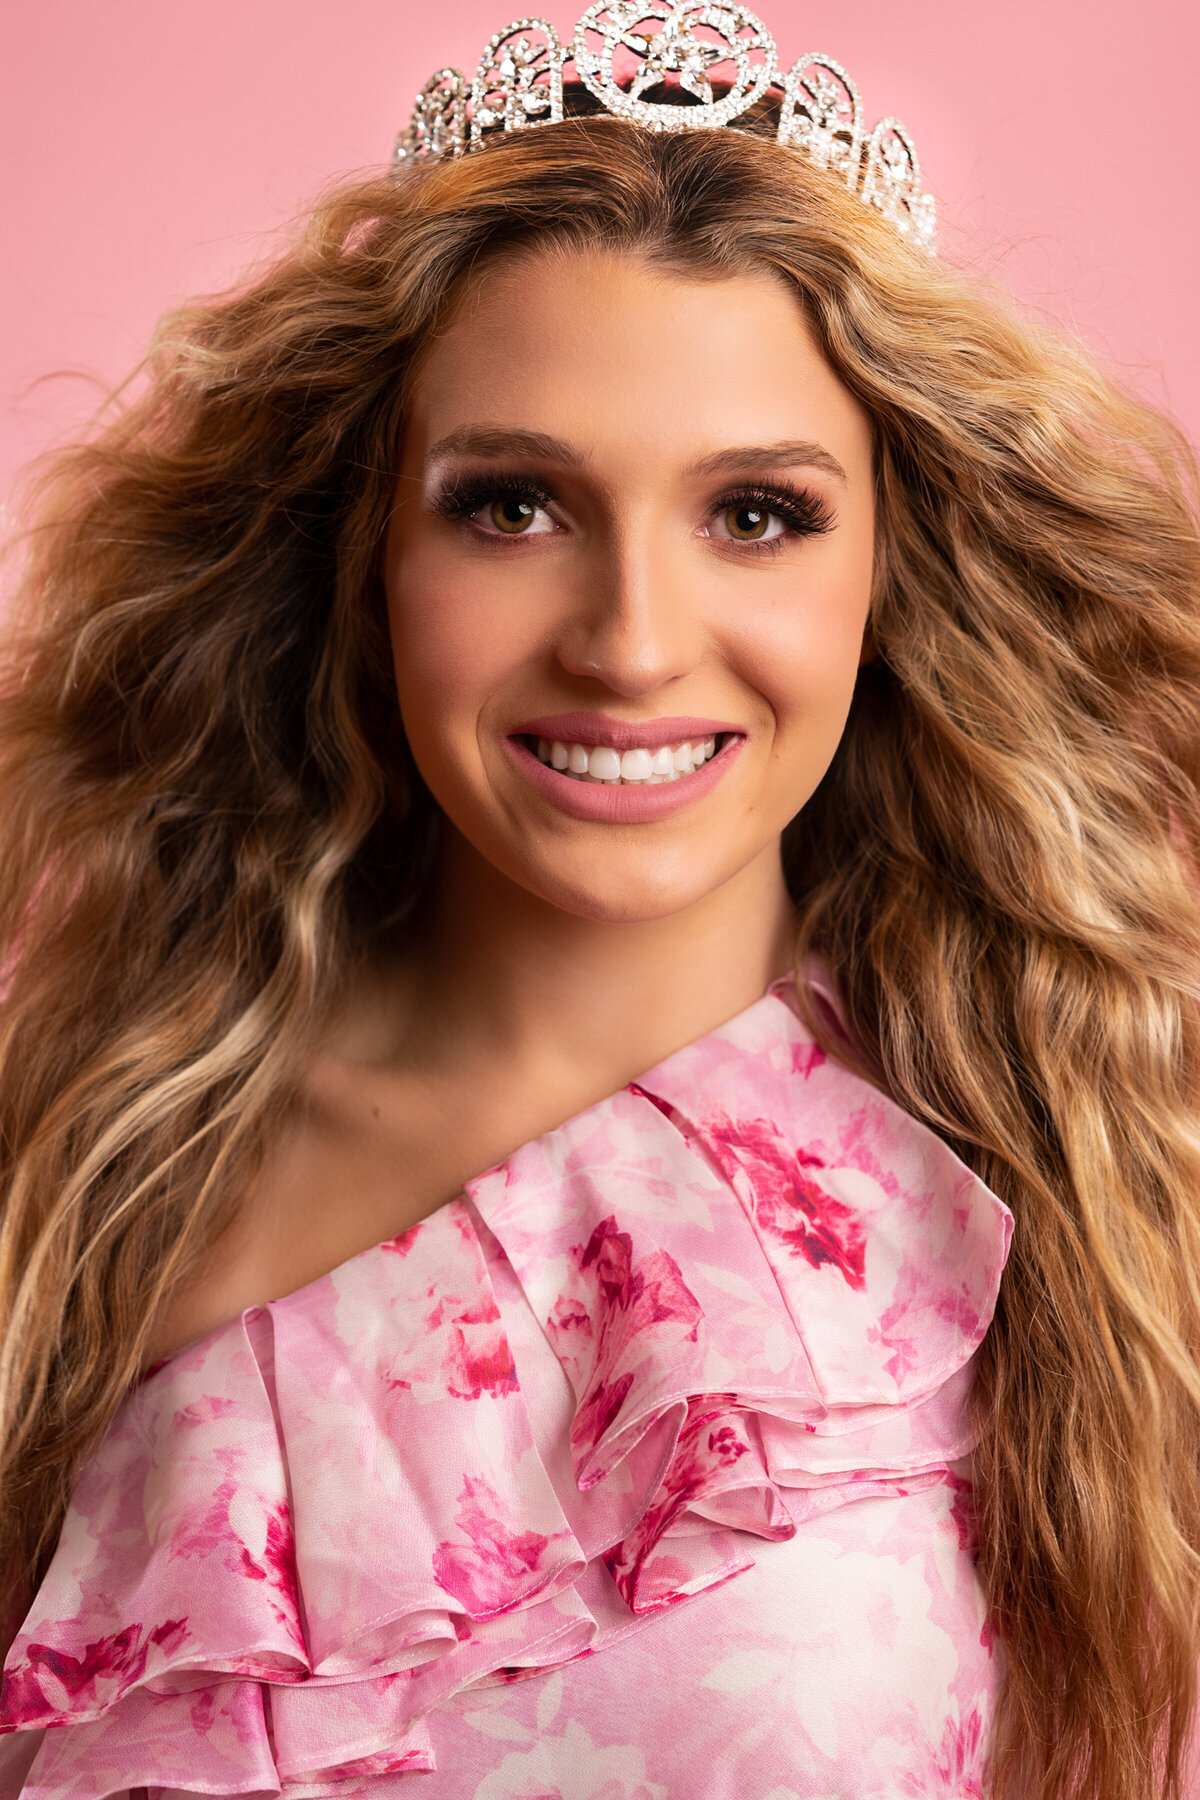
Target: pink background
(151,147)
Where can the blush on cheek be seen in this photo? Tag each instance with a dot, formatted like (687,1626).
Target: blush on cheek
(444,656)
(451,659)
(435,630)
(803,657)
(803,661)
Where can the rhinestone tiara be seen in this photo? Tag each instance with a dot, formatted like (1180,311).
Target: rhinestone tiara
(623,49)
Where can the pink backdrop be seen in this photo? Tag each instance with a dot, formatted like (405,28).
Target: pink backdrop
(150,145)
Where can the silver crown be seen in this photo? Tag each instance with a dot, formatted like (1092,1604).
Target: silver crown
(621,51)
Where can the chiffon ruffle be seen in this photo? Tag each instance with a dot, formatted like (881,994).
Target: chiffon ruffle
(743,1291)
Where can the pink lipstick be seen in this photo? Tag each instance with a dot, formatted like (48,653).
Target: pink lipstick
(613,771)
(620,734)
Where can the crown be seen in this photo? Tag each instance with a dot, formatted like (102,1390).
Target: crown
(624,49)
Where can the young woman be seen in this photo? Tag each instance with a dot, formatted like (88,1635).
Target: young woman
(599,799)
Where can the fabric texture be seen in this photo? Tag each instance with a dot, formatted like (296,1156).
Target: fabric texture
(634,1473)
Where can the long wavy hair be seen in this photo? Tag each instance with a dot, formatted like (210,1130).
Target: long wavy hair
(208,816)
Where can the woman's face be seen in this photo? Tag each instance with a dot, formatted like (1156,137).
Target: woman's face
(633,526)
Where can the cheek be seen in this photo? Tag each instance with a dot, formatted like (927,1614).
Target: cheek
(802,655)
(449,654)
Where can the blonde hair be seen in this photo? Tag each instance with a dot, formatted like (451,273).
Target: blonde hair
(209,815)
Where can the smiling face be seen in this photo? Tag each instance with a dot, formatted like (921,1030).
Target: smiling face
(628,572)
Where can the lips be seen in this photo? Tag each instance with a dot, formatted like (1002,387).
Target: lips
(595,729)
(613,799)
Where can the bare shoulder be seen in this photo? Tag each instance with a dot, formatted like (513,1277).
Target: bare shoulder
(385,1128)
(354,1162)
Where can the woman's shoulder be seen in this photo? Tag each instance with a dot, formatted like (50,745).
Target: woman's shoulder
(737,1291)
(370,1147)
(333,1182)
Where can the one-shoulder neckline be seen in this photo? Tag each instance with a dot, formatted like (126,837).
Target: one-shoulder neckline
(673,1331)
(779,989)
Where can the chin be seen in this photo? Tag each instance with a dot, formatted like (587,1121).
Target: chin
(624,897)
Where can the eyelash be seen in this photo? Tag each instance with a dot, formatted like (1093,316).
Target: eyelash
(462,498)
(805,513)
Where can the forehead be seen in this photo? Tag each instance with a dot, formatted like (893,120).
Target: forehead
(608,350)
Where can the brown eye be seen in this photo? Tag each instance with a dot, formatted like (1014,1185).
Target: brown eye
(511,516)
(747,521)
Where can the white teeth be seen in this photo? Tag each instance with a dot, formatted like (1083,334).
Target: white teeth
(601,763)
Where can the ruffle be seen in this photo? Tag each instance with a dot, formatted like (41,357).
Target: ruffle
(743,1290)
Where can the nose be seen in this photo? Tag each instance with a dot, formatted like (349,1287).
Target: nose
(634,622)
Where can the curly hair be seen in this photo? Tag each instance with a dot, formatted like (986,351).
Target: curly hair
(210,816)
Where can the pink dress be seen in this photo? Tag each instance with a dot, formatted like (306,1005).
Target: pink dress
(634,1473)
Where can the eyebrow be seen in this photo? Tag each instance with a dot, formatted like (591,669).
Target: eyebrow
(495,440)
(786,454)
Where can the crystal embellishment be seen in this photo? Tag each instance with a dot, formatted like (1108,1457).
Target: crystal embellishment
(720,59)
(438,125)
(823,115)
(691,43)
(892,182)
(518,81)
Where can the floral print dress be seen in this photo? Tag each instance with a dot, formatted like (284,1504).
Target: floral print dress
(636,1472)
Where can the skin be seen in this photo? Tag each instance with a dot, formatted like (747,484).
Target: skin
(556,958)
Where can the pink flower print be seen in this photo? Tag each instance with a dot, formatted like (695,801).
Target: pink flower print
(203,1712)
(711,1444)
(206,1411)
(498,1567)
(476,1357)
(278,1565)
(381,1762)
(611,1251)
(957,1761)
(965,1512)
(604,1402)
(788,1203)
(475,1369)
(214,1534)
(725,1445)
(403,1243)
(807,1058)
(624,1307)
(107,1667)
(682,1482)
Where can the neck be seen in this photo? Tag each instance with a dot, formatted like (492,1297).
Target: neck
(493,970)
